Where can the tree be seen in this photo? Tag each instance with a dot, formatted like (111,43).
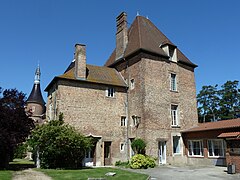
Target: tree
(15,125)
(59,145)
(230,100)
(214,104)
(208,102)
(138,146)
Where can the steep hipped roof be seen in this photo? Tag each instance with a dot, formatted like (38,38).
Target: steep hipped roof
(224,124)
(144,35)
(95,74)
(36,95)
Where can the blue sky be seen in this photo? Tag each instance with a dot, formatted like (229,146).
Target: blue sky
(45,31)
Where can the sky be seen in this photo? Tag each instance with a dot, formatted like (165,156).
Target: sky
(45,32)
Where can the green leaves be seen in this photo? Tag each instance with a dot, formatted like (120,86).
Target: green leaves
(60,145)
(214,104)
(15,126)
(138,146)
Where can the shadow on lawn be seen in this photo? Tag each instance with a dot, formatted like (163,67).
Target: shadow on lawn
(18,166)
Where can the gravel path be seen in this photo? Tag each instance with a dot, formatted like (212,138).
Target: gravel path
(30,174)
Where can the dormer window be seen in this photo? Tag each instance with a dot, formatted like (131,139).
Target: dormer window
(170,50)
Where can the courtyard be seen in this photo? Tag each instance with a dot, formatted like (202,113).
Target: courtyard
(168,172)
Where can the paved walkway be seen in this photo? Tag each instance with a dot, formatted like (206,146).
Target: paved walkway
(188,173)
(30,174)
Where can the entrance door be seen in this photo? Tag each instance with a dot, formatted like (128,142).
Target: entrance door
(107,153)
(162,152)
(90,157)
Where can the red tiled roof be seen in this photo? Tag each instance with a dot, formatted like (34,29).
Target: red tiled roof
(229,135)
(224,124)
(143,34)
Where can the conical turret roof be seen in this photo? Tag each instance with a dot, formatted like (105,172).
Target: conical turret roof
(36,94)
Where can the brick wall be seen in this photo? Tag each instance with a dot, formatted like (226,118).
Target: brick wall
(231,157)
(86,107)
(151,99)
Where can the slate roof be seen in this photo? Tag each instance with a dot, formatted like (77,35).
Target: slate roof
(95,74)
(36,95)
(224,124)
(144,35)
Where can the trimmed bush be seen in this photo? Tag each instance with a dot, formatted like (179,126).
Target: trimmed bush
(140,161)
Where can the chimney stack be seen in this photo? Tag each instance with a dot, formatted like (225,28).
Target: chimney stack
(80,61)
(121,35)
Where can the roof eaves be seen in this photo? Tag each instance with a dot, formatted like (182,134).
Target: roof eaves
(81,80)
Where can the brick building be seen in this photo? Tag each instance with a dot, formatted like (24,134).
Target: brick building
(146,89)
(214,143)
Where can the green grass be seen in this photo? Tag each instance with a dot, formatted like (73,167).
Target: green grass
(22,161)
(92,173)
(6,175)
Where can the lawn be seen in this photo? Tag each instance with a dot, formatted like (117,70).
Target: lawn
(93,173)
(6,175)
(17,164)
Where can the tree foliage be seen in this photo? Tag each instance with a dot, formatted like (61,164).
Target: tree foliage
(59,145)
(15,126)
(215,104)
(138,146)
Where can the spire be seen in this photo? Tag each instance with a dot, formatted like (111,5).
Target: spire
(36,95)
(37,75)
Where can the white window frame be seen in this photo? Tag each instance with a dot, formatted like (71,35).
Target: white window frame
(173,82)
(191,149)
(179,144)
(123,121)
(210,143)
(122,147)
(174,115)
(110,92)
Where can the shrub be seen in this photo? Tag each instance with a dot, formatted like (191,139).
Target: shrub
(138,146)
(120,163)
(21,151)
(59,145)
(140,161)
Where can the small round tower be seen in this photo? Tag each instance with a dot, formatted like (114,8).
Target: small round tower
(35,105)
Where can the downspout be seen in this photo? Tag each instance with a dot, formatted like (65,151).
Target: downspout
(55,103)
(127,110)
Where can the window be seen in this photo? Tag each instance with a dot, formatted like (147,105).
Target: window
(173,83)
(215,148)
(132,84)
(136,120)
(121,146)
(123,121)
(89,154)
(110,92)
(176,145)
(50,112)
(195,148)
(174,115)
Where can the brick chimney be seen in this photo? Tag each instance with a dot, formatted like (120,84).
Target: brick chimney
(80,61)
(121,35)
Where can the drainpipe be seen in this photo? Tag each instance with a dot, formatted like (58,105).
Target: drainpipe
(127,110)
(55,103)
